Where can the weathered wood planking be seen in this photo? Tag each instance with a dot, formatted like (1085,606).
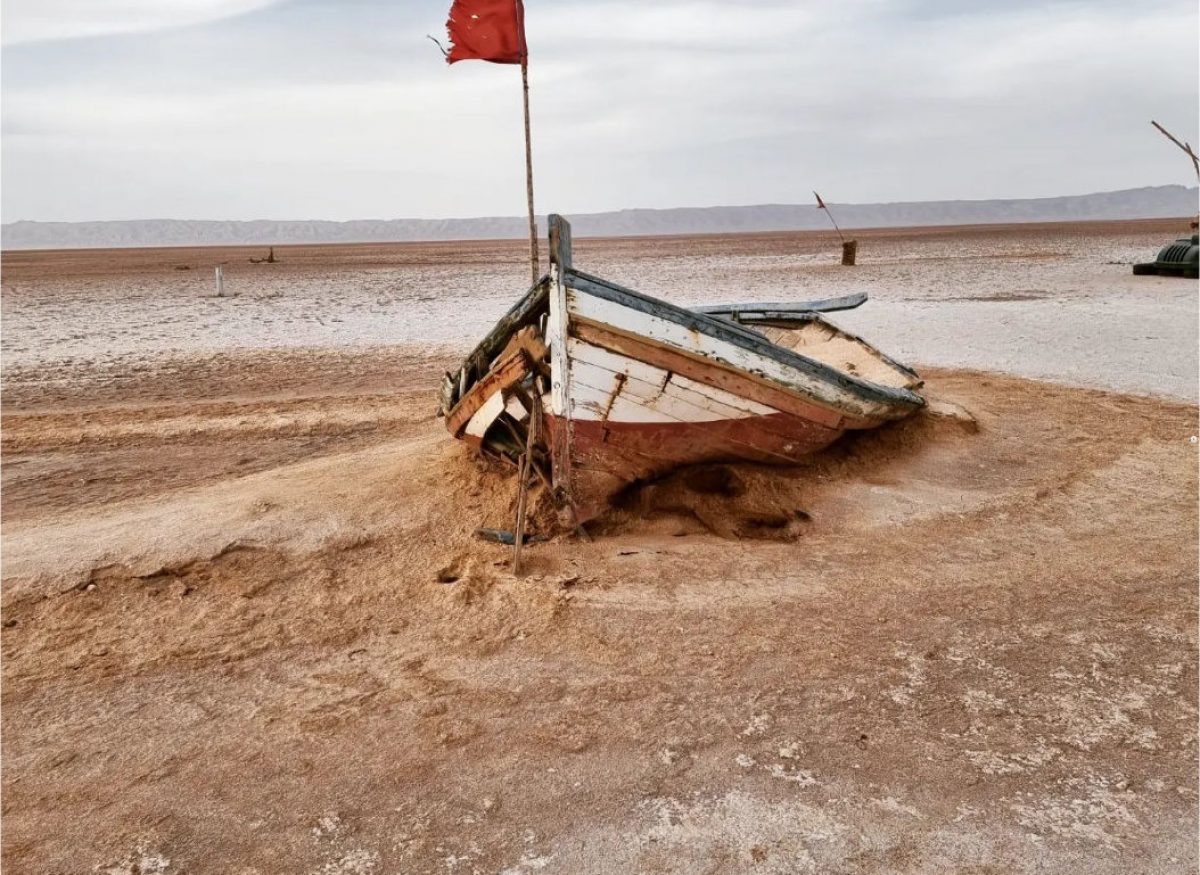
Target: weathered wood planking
(725,343)
(712,374)
(604,393)
(753,311)
(561,452)
(483,418)
(527,311)
(655,390)
(506,373)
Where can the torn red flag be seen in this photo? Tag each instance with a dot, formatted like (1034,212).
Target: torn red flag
(487,30)
(820,203)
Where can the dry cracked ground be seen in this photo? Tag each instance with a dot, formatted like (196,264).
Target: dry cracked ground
(248,629)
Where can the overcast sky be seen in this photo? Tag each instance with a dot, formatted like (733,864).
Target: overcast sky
(339,109)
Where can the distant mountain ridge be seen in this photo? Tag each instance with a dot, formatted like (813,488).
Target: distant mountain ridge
(1164,201)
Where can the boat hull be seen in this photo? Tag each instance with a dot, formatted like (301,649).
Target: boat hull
(648,388)
(630,387)
(607,456)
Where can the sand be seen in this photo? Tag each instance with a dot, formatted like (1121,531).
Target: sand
(1058,300)
(247,626)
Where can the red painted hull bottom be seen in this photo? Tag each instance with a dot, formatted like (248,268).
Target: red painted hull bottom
(605,457)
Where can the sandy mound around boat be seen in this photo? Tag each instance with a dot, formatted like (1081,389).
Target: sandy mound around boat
(950,645)
(426,482)
(746,501)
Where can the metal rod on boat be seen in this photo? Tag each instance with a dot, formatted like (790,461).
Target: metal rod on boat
(533,243)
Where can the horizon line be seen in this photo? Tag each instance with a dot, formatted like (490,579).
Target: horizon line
(589,213)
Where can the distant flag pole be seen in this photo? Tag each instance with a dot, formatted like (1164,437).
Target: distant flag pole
(494,30)
(821,206)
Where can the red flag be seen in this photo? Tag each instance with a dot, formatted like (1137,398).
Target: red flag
(487,30)
(820,203)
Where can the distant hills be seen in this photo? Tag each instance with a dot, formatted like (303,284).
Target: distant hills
(1164,201)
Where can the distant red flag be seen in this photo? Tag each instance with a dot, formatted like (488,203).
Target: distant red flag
(487,30)
(820,203)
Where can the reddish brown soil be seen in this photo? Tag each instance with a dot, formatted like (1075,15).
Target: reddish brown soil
(23,266)
(247,628)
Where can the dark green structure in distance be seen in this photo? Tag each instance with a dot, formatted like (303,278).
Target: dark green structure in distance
(1181,258)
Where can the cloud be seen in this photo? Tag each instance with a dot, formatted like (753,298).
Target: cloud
(34,20)
(321,109)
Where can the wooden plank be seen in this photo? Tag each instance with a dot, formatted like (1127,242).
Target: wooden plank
(526,462)
(598,405)
(720,395)
(710,373)
(447,393)
(527,311)
(560,368)
(560,241)
(669,445)
(487,413)
(529,340)
(783,309)
(600,449)
(666,393)
(814,387)
(629,450)
(514,408)
(696,333)
(649,381)
(506,373)
(604,404)
(599,396)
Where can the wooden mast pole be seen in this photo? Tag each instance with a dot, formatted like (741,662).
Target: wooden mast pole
(824,206)
(535,273)
(835,225)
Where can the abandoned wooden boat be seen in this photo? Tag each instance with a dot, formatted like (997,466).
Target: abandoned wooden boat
(602,386)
